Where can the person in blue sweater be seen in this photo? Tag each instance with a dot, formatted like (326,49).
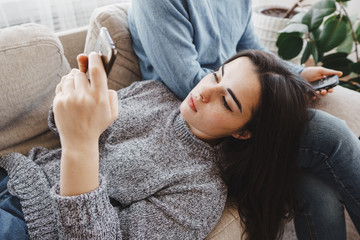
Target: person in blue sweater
(178,42)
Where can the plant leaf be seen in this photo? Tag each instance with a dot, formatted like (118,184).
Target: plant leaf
(295,27)
(315,53)
(315,34)
(334,56)
(289,46)
(314,17)
(333,34)
(312,20)
(307,52)
(357,32)
(283,36)
(347,44)
(298,17)
(338,61)
(327,6)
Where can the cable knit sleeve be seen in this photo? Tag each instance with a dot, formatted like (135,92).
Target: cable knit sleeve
(176,213)
(86,216)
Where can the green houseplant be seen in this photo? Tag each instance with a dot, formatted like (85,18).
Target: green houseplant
(329,35)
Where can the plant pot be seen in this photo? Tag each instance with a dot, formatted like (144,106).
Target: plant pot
(267,27)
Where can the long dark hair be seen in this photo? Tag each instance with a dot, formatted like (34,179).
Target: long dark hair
(261,172)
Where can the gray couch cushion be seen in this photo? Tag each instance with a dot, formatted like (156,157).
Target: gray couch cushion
(126,67)
(32,63)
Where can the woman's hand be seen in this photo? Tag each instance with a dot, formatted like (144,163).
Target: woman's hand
(315,73)
(83,109)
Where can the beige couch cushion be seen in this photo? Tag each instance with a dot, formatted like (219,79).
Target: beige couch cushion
(228,227)
(126,67)
(344,104)
(32,63)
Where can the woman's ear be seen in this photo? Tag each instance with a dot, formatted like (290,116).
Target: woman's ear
(243,135)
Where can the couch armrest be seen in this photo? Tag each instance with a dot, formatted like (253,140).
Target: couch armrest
(73,42)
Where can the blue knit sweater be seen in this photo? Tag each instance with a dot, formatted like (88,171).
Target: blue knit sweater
(179,41)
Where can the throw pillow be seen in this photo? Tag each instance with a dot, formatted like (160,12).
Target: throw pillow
(32,63)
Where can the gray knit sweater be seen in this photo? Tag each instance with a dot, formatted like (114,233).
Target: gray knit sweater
(157,180)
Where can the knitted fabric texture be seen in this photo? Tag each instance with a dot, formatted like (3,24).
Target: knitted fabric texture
(157,180)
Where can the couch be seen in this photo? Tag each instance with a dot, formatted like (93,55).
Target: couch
(23,118)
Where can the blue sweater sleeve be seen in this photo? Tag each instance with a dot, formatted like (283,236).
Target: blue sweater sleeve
(249,40)
(167,45)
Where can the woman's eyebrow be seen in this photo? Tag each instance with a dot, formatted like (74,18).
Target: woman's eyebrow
(235,99)
(230,91)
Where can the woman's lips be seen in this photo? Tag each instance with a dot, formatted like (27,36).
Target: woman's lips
(192,103)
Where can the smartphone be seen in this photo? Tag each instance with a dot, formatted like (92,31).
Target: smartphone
(106,48)
(326,82)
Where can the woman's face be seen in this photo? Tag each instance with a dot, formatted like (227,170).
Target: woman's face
(223,101)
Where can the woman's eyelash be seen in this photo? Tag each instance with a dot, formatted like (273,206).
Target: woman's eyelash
(223,97)
(226,104)
(216,77)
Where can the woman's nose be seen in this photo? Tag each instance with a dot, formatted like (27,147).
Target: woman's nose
(207,93)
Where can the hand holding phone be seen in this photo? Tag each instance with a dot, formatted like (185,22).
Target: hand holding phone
(106,48)
(325,83)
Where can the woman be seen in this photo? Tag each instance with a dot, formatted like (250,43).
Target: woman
(159,161)
(194,37)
